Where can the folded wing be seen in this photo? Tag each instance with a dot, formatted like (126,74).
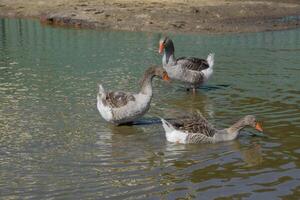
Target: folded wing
(118,99)
(193,63)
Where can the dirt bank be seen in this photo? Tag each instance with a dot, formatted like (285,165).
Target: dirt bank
(194,16)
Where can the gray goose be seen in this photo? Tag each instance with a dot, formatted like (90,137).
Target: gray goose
(196,129)
(190,70)
(124,107)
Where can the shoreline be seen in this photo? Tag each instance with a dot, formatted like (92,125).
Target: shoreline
(166,16)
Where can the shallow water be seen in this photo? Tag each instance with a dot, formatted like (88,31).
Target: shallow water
(54,144)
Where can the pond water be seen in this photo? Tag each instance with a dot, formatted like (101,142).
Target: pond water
(55,145)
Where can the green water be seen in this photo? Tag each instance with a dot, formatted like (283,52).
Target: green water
(54,144)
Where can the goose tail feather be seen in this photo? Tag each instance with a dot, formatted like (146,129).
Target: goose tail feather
(211,59)
(168,127)
(101,92)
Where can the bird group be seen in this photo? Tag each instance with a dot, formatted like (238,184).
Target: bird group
(124,107)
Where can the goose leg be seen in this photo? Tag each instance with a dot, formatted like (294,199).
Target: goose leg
(194,90)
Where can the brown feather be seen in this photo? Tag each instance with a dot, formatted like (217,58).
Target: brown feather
(196,123)
(117,99)
(193,63)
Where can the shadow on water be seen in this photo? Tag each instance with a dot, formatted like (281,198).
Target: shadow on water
(204,88)
(143,121)
(213,87)
(147,121)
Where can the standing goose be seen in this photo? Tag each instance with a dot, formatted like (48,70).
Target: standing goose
(190,70)
(196,129)
(124,107)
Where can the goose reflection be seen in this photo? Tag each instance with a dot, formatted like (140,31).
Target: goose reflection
(251,154)
(189,103)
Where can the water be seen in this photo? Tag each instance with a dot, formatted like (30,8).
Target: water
(54,145)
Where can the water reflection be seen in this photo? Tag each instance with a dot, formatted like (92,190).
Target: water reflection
(187,103)
(251,154)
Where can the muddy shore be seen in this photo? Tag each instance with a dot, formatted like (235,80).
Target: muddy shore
(191,16)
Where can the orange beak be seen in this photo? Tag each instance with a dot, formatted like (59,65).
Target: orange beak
(161,47)
(166,77)
(258,127)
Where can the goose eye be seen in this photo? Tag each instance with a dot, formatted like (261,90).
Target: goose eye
(255,122)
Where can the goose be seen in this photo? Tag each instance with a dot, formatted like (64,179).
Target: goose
(124,107)
(196,129)
(189,70)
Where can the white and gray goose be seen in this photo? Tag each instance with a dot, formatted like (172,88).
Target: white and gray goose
(124,107)
(190,70)
(196,129)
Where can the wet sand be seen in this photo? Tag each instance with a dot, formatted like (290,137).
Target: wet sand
(189,16)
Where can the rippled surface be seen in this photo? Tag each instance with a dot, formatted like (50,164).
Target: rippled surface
(53,143)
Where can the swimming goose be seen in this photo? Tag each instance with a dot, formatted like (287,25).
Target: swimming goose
(190,70)
(124,107)
(196,129)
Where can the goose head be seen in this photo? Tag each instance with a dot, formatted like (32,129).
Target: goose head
(146,81)
(251,121)
(161,72)
(166,44)
(155,71)
(233,131)
(248,120)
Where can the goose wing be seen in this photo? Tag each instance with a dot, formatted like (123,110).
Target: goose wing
(195,124)
(118,99)
(196,138)
(193,63)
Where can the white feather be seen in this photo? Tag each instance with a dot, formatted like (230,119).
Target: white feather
(209,71)
(104,111)
(211,59)
(167,126)
(101,89)
(172,134)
